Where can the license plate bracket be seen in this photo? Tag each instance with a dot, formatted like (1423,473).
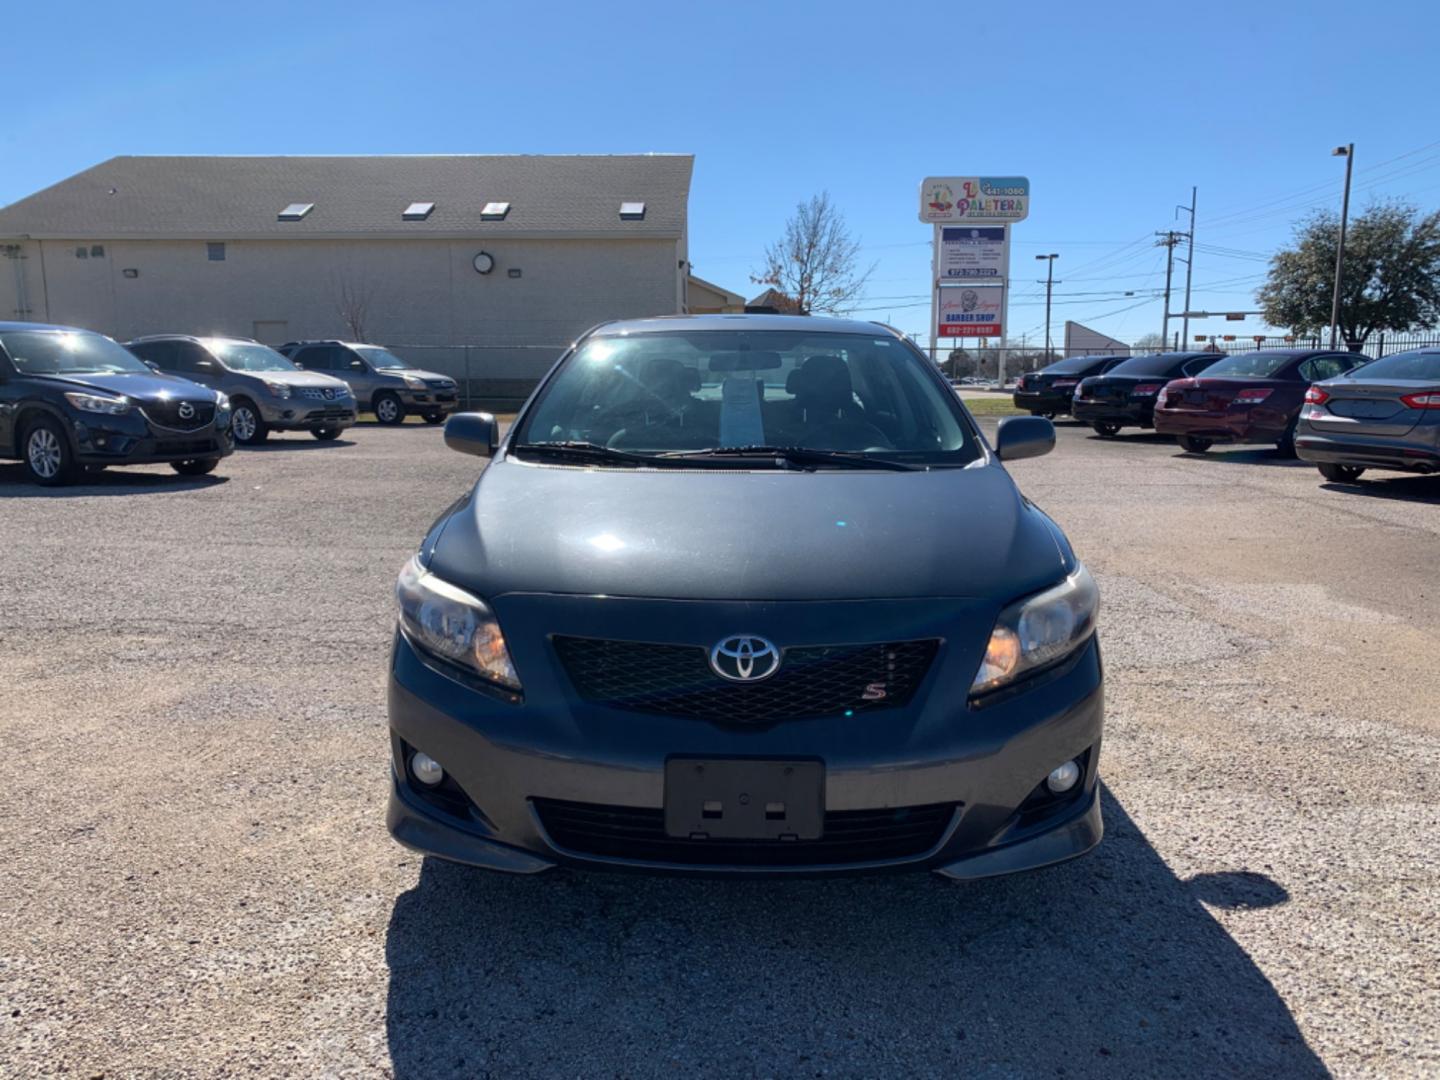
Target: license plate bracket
(744,799)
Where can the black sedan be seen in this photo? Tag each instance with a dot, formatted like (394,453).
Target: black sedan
(72,400)
(1047,392)
(1125,395)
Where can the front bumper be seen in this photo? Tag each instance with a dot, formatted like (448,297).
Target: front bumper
(131,440)
(304,414)
(1237,425)
(1365,451)
(978,769)
(1044,401)
(1124,413)
(443,402)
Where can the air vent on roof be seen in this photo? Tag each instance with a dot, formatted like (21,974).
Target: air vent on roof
(296,210)
(494,211)
(418,211)
(632,211)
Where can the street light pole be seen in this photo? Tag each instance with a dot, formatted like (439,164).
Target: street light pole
(1348,153)
(1049,261)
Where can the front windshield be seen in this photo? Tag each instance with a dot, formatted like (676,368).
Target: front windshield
(1259,365)
(381,358)
(248,356)
(1419,364)
(708,389)
(63,352)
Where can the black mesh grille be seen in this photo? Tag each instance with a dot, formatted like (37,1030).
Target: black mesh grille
(850,836)
(813,680)
(168,414)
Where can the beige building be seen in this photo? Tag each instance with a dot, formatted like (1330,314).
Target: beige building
(483,266)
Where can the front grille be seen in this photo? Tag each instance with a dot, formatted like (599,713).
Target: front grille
(333,412)
(167,414)
(813,680)
(440,384)
(849,836)
(321,393)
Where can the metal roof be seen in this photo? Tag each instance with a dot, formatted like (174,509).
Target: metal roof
(233,197)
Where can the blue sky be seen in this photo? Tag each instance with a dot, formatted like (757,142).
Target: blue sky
(1113,111)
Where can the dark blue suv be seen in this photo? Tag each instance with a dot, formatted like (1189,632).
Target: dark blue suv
(72,400)
(746,595)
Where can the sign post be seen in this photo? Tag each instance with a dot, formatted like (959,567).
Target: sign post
(970,258)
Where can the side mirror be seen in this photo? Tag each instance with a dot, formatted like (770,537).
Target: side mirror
(472,433)
(1024,436)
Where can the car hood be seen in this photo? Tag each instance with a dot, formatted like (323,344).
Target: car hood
(142,386)
(294,378)
(730,535)
(427,375)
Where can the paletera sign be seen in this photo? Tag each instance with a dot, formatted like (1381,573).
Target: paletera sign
(978,199)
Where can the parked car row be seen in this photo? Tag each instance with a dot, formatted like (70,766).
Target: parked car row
(73,400)
(1340,410)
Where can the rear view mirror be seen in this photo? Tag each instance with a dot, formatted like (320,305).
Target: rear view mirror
(1024,436)
(152,365)
(357,365)
(472,433)
(204,365)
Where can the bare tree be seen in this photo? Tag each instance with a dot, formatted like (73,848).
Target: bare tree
(353,293)
(1152,340)
(814,264)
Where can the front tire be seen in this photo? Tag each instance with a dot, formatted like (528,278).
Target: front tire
(1193,444)
(48,457)
(195,466)
(1340,474)
(1106,430)
(246,425)
(325,434)
(389,409)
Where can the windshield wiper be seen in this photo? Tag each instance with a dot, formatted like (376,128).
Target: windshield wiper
(579,450)
(799,456)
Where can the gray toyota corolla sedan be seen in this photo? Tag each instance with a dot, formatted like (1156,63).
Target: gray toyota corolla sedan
(745,595)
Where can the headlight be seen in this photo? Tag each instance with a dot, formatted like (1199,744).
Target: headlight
(280,390)
(114,406)
(414,382)
(222,410)
(1039,630)
(453,625)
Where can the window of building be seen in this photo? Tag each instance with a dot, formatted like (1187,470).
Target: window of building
(215,252)
(494,211)
(418,211)
(82,253)
(97,251)
(296,211)
(632,211)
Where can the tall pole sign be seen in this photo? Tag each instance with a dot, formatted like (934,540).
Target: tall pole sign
(970,217)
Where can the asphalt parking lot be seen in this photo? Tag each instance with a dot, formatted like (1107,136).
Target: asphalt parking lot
(198,881)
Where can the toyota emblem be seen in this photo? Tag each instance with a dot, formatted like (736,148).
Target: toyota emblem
(186,411)
(745,658)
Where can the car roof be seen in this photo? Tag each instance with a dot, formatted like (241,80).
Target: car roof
(45,326)
(812,323)
(192,337)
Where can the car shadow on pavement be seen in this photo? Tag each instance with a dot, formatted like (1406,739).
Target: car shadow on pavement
(1105,965)
(1417,489)
(284,444)
(1253,455)
(15,483)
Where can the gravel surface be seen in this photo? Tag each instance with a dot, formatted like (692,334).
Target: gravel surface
(198,881)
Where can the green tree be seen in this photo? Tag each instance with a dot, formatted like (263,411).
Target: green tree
(1390,279)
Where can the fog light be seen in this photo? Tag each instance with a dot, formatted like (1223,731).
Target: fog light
(1059,781)
(427,770)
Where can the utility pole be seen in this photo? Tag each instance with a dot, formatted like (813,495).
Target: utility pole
(1189,263)
(1348,153)
(1049,284)
(1167,240)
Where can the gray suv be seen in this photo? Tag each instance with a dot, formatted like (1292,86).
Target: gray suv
(268,392)
(384,383)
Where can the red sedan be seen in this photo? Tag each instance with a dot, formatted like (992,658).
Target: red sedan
(1250,397)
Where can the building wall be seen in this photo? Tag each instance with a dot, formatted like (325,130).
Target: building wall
(421,293)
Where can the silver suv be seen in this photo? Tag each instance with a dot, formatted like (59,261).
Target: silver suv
(268,392)
(384,383)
